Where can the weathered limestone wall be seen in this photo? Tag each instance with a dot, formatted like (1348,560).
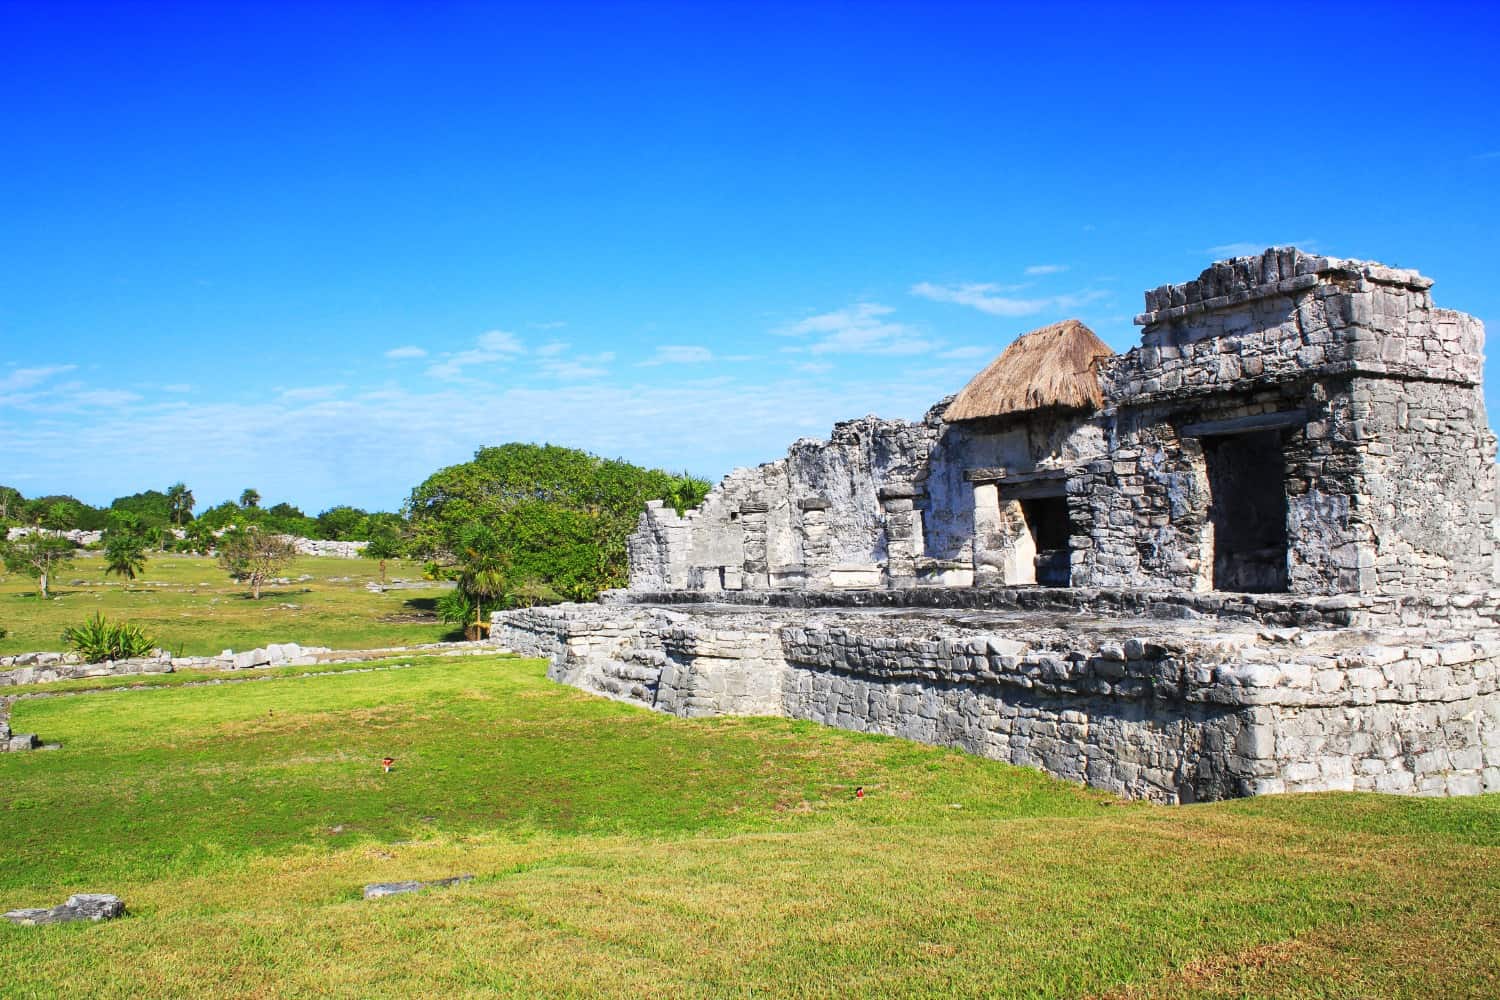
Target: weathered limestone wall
(813,517)
(1382,426)
(1166,711)
(1428,484)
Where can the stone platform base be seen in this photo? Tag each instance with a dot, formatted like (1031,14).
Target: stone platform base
(1168,708)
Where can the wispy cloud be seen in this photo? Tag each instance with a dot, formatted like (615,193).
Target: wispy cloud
(25,378)
(553,325)
(1492,155)
(177,387)
(987,298)
(858,329)
(490,348)
(583,368)
(551,349)
(1036,270)
(1252,249)
(103,397)
(309,393)
(960,353)
(679,354)
(400,353)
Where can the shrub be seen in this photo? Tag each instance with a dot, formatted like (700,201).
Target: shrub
(98,639)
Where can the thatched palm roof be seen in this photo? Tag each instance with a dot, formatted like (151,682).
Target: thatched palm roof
(1054,367)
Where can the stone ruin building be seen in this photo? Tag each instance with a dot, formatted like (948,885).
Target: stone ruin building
(1254,554)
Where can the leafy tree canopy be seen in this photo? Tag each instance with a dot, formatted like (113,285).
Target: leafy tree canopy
(559,515)
(61,512)
(151,508)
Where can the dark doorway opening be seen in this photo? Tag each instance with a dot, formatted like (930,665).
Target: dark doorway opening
(1047,520)
(1247,484)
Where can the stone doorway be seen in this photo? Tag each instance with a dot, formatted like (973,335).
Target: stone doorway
(1047,521)
(1247,508)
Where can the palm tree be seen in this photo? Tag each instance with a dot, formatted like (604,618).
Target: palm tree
(179,502)
(250,498)
(124,547)
(483,564)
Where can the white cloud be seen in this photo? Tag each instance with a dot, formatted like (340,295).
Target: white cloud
(177,387)
(370,448)
(309,393)
(554,325)
(858,329)
(814,367)
(959,353)
(551,350)
(986,298)
(501,342)
(1040,269)
(25,378)
(583,368)
(103,397)
(492,347)
(679,354)
(399,353)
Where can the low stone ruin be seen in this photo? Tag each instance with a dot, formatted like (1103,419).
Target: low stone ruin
(89,906)
(1254,554)
(379,890)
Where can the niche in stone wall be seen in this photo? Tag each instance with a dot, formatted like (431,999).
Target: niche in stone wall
(1247,487)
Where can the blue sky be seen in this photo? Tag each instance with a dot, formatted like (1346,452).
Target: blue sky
(323,250)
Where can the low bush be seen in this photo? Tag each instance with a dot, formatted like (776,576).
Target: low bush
(99,639)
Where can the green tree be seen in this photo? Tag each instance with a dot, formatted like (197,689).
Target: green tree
(252,555)
(61,512)
(12,503)
(250,498)
(125,542)
(562,515)
(38,555)
(344,523)
(199,536)
(482,567)
(180,503)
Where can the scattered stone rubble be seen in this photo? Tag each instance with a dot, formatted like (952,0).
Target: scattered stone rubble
(92,906)
(44,668)
(304,546)
(1263,560)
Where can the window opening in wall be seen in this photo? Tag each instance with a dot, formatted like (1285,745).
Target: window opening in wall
(1247,487)
(1047,520)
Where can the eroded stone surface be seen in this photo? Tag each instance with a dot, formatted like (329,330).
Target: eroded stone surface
(375,890)
(92,906)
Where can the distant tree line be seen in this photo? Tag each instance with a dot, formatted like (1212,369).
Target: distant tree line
(520,524)
(154,513)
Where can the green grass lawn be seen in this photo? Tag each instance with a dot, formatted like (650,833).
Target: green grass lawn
(188,604)
(625,853)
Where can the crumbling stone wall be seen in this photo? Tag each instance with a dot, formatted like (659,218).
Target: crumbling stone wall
(1168,711)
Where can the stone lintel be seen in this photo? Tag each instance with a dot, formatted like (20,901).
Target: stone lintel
(754,507)
(1005,477)
(1245,425)
(813,503)
(899,491)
